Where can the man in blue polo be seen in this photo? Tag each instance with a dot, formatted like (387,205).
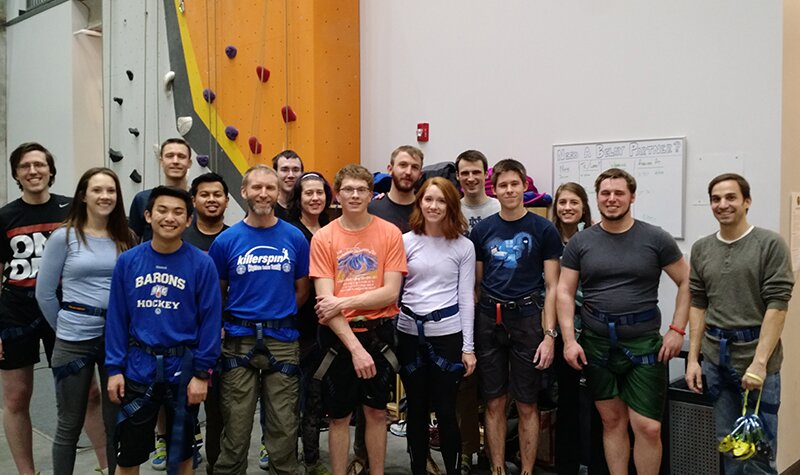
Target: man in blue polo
(263,269)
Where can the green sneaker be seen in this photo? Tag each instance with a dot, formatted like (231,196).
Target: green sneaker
(158,459)
(263,458)
(317,469)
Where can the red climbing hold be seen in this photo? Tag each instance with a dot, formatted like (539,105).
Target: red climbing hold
(288,114)
(262,73)
(255,145)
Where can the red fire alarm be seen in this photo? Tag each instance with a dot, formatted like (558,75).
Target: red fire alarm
(423,129)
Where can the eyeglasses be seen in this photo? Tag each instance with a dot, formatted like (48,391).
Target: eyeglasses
(350,191)
(36,165)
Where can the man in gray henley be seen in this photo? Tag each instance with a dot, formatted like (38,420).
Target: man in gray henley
(741,282)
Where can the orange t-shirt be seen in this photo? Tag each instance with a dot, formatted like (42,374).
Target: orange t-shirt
(357,260)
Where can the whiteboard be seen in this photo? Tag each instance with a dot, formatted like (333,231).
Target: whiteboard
(657,165)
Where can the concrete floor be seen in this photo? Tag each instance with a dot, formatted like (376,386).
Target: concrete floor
(43,415)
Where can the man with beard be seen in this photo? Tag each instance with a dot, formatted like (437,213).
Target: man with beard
(210,198)
(618,264)
(405,168)
(289,167)
(175,158)
(263,269)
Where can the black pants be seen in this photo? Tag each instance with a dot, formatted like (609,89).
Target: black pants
(578,425)
(430,386)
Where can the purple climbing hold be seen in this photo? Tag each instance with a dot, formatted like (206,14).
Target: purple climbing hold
(209,95)
(202,160)
(231,132)
(230,51)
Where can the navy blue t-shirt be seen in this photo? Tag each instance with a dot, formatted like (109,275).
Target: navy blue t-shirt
(513,254)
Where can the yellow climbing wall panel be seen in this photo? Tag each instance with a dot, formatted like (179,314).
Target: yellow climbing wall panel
(311,51)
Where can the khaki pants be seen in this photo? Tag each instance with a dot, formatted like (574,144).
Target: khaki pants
(241,388)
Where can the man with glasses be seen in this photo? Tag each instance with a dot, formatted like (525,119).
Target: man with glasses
(25,225)
(358,262)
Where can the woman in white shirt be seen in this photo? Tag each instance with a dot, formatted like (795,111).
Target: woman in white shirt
(438,299)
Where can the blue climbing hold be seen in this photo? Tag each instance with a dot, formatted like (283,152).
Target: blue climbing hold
(231,132)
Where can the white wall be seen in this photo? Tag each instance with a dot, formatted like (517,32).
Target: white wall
(514,78)
(40,90)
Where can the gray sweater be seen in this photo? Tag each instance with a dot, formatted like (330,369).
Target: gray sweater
(85,275)
(736,283)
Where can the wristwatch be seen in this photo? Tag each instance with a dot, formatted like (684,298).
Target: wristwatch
(551,332)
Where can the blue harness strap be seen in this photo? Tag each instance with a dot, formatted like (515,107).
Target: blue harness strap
(425,352)
(13,333)
(179,421)
(725,336)
(84,309)
(612,321)
(76,365)
(275,366)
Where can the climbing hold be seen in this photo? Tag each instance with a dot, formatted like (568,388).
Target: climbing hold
(288,114)
(263,73)
(230,51)
(184,125)
(231,132)
(255,145)
(135,176)
(209,95)
(118,100)
(168,79)
(115,155)
(202,160)
(130,74)
(134,131)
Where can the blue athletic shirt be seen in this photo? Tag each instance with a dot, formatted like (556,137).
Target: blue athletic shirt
(162,300)
(513,254)
(261,266)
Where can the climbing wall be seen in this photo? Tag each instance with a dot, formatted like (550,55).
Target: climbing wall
(140,112)
(241,80)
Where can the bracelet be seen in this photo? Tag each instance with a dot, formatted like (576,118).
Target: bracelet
(677,330)
(754,376)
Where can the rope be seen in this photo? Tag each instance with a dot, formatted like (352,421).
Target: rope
(286,71)
(144,97)
(257,103)
(208,80)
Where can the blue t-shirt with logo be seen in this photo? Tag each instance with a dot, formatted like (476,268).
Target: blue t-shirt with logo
(513,254)
(261,266)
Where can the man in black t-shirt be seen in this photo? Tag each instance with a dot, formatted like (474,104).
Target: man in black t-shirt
(25,225)
(210,197)
(289,167)
(405,167)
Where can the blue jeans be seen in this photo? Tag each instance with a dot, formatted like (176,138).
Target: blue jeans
(724,388)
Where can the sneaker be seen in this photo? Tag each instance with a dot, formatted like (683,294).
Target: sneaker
(317,469)
(101,471)
(158,459)
(398,428)
(198,445)
(263,458)
(430,466)
(466,464)
(433,437)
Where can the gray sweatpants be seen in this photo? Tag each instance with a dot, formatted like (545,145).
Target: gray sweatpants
(72,395)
